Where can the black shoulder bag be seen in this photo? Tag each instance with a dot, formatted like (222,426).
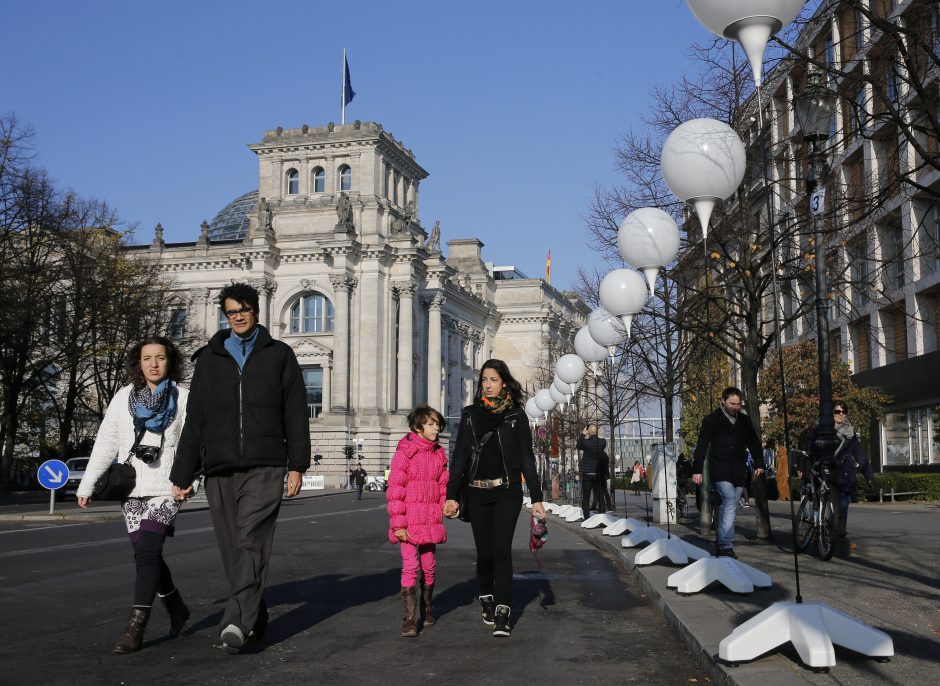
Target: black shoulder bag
(463,496)
(119,478)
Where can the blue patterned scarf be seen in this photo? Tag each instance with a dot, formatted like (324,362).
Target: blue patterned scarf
(153,411)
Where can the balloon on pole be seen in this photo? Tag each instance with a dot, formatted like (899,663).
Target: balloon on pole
(607,329)
(703,161)
(565,389)
(570,368)
(588,349)
(558,397)
(648,240)
(749,22)
(622,293)
(543,401)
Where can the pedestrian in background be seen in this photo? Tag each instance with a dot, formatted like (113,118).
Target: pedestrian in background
(143,421)
(359,478)
(638,477)
(416,494)
(592,453)
(725,438)
(497,429)
(247,424)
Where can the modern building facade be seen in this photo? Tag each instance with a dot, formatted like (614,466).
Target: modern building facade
(379,317)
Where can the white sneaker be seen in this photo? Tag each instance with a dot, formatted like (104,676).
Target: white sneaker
(232,638)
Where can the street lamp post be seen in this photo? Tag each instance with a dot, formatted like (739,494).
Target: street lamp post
(815,111)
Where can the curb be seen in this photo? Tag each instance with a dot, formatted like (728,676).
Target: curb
(766,671)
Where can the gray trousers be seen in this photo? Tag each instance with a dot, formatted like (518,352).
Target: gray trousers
(244,508)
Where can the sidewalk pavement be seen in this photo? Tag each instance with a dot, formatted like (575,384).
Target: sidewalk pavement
(890,581)
(23,507)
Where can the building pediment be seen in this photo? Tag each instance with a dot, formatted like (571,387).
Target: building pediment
(309,346)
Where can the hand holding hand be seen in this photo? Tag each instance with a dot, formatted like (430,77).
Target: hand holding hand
(451,509)
(758,472)
(697,479)
(181,493)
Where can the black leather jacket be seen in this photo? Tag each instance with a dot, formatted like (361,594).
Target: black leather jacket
(515,447)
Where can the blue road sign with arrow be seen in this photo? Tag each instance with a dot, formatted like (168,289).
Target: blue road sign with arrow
(53,474)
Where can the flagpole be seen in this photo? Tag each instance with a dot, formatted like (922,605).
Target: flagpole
(343,120)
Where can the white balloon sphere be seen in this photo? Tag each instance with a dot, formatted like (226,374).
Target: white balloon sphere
(702,161)
(561,386)
(622,291)
(750,22)
(532,409)
(570,368)
(587,348)
(605,328)
(557,395)
(543,401)
(648,239)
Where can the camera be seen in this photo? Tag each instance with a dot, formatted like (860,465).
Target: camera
(147,454)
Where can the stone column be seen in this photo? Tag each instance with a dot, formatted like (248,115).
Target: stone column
(434,350)
(405,353)
(265,288)
(327,373)
(342,285)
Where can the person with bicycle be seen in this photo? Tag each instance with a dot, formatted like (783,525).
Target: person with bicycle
(849,457)
(726,436)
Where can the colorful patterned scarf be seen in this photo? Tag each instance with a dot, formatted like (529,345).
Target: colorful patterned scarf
(153,411)
(496,405)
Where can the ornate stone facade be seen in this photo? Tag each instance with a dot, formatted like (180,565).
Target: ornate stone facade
(379,319)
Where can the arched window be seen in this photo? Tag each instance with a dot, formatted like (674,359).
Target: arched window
(177,328)
(223,320)
(312,313)
(293,182)
(345,178)
(319,180)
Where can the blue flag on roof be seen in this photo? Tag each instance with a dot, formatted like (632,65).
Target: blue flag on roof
(348,92)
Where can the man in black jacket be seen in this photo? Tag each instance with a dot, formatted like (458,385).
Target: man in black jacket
(592,455)
(246,423)
(725,438)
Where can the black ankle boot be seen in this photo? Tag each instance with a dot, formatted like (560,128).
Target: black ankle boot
(179,613)
(133,636)
(488,609)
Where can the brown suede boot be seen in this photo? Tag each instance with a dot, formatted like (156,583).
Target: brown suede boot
(177,610)
(428,594)
(409,624)
(133,636)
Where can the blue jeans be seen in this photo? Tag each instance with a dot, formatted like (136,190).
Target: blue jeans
(730,497)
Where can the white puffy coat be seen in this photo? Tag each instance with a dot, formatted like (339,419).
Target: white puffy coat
(116,438)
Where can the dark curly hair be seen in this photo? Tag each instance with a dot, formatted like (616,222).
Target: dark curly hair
(242,293)
(421,414)
(174,360)
(500,367)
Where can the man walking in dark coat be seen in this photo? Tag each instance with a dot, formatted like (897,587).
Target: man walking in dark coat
(592,448)
(725,438)
(246,425)
(359,477)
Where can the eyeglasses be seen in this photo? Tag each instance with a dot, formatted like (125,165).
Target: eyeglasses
(231,314)
(840,412)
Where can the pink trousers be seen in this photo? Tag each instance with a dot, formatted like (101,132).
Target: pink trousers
(411,556)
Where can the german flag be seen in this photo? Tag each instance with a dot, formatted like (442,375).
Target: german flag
(548,267)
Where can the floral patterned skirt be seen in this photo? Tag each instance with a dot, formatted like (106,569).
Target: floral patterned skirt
(150,513)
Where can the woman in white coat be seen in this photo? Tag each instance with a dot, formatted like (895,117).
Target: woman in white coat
(144,420)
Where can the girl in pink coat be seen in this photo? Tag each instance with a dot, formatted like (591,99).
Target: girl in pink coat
(417,487)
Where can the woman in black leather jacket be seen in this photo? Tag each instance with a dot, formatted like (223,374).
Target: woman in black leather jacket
(492,453)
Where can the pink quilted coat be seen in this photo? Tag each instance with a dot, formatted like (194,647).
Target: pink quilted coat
(417,486)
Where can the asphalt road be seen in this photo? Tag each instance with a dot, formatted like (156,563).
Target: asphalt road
(65,592)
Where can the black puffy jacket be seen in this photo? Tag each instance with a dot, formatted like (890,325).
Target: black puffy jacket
(592,455)
(238,419)
(726,445)
(515,445)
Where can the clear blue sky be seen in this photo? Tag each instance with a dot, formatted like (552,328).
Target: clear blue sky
(513,107)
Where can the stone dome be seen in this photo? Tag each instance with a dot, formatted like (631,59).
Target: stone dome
(232,222)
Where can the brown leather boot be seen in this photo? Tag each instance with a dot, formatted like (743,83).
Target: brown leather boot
(179,613)
(409,624)
(428,594)
(134,633)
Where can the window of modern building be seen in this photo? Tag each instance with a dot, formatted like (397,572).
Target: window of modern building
(861,343)
(319,180)
(859,110)
(311,313)
(830,51)
(177,327)
(891,81)
(345,178)
(859,273)
(313,381)
(223,320)
(859,30)
(930,248)
(909,437)
(293,182)
(895,256)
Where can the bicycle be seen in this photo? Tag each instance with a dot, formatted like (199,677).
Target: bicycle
(818,515)
(682,503)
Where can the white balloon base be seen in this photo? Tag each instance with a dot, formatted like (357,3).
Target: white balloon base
(551,507)
(621,525)
(527,501)
(643,534)
(604,520)
(736,576)
(812,628)
(678,551)
(566,510)
(575,515)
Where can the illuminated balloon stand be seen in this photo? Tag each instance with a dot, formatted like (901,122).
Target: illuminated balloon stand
(696,146)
